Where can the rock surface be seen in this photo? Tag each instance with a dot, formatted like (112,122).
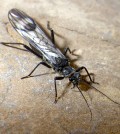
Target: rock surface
(27,106)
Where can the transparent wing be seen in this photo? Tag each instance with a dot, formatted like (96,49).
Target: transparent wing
(31,32)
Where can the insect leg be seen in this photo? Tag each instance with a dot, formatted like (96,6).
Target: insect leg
(31,50)
(29,75)
(57,78)
(6,44)
(71,52)
(67,50)
(52,32)
(25,46)
(81,68)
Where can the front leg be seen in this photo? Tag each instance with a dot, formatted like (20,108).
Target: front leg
(81,68)
(55,79)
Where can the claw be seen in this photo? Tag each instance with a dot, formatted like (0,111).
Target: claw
(55,100)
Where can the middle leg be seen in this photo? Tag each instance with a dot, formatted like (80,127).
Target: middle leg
(55,79)
(29,75)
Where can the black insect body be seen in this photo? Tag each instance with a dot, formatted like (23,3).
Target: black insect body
(44,48)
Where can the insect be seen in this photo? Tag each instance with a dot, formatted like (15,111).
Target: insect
(44,48)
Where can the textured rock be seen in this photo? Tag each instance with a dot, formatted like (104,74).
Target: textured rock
(27,106)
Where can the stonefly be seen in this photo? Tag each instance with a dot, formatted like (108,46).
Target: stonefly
(44,48)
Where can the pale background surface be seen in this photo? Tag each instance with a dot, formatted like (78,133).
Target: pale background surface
(27,106)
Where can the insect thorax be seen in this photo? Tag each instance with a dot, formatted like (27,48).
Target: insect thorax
(67,71)
(62,66)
